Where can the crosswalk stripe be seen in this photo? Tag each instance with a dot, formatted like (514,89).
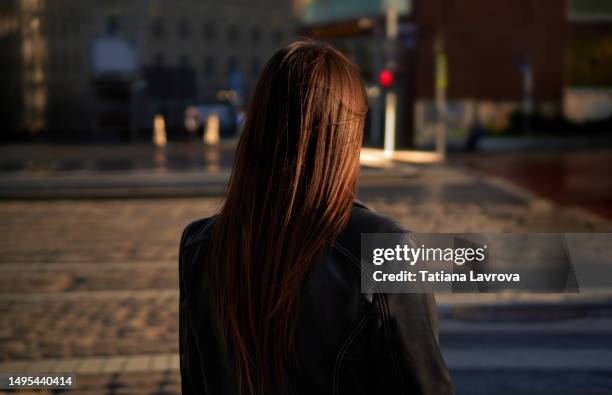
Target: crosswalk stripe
(529,358)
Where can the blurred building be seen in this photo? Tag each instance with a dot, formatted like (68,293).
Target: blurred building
(23,88)
(487,61)
(104,68)
(588,82)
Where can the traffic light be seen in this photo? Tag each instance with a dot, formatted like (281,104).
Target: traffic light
(385,78)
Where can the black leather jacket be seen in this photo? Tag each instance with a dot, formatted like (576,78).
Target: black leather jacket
(347,342)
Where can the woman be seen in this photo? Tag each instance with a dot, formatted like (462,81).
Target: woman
(270,298)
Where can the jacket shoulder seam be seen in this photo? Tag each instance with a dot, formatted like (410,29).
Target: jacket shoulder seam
(347,254)
(344,350)
(387,331)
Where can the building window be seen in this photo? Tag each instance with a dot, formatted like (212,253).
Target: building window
(277,36)
(184,30)
(209,66)
(76,60)
(48,26)
(112,24)
(255,67)
(232,64)
(64,61)
(159,60)
(184,61)
(233,34)
(52,65)
(75,24)
(65,26)
(209,31)
(256,34)
(157,27)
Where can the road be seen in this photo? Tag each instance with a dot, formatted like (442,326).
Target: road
(581,178)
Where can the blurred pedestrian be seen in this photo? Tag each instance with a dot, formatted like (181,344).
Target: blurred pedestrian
(476,132)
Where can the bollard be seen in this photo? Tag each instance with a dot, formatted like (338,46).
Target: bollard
(211,134)
(159,131)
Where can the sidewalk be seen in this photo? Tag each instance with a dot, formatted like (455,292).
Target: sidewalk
(139,171)
(140,183)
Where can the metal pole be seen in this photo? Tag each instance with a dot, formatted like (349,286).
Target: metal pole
(376,98)
(441,73)
(390,97)
(390,110)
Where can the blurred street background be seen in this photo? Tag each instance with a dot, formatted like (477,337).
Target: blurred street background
(119,120)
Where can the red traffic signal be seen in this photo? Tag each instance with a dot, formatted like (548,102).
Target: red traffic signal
(385,78)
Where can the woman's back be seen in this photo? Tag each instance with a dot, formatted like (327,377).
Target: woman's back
(270,287)
(346,341)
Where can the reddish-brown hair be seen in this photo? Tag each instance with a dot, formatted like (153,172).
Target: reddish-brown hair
(290,194)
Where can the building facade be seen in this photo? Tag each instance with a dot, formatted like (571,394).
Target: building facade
(477,63)
(186,52)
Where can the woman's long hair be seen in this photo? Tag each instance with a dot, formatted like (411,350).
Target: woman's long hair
(290,194)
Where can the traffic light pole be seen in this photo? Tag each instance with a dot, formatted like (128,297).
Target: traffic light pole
(390,96)
(376,98)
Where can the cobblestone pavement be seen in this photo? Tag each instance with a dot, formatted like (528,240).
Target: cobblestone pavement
(90,286)
(125,382)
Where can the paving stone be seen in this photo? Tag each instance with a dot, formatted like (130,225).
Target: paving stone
(114,364)
(91,365)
